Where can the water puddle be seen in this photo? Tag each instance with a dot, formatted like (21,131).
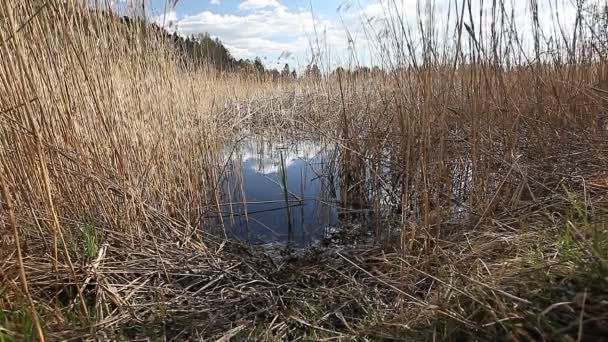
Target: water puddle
(283,189)
(280,190)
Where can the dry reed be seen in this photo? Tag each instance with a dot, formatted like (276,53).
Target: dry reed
(484,168)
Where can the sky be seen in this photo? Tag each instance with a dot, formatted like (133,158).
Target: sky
(278,31)
(328,32)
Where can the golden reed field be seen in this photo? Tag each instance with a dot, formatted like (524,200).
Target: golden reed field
(480,163)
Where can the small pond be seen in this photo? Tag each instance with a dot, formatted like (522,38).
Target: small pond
(285,189)
(280,190)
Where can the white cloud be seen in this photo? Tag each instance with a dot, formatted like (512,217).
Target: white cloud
(268,161)
(270,31)
(268,28)
(259,4)
(167,20)
(381,18)
(215,2)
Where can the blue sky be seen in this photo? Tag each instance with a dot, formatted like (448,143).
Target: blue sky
(298,31)
(234,6)
(278,31)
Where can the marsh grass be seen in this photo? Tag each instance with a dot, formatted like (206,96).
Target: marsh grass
(483,166)
(92,240)
(16,325)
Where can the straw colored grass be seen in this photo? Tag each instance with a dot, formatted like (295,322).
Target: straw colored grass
(484,172)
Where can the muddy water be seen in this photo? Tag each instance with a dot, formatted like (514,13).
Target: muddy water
(280,191)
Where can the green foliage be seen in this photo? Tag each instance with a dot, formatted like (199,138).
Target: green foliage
(91,240)
(202,50)
(87,240)
(578,269)
(16,325)
(585,242)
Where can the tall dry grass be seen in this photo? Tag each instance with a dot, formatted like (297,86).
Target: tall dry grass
(470,89)
(103,125)
(101,120)
(470,138)
(461,146)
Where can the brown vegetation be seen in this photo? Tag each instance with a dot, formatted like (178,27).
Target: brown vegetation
(486,177)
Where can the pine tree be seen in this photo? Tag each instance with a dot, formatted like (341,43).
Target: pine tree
(312,70)
(286,73)
(259,66)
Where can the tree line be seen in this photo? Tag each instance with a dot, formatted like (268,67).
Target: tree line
(203,50)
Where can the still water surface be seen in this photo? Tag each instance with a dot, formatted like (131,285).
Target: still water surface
(262,209)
